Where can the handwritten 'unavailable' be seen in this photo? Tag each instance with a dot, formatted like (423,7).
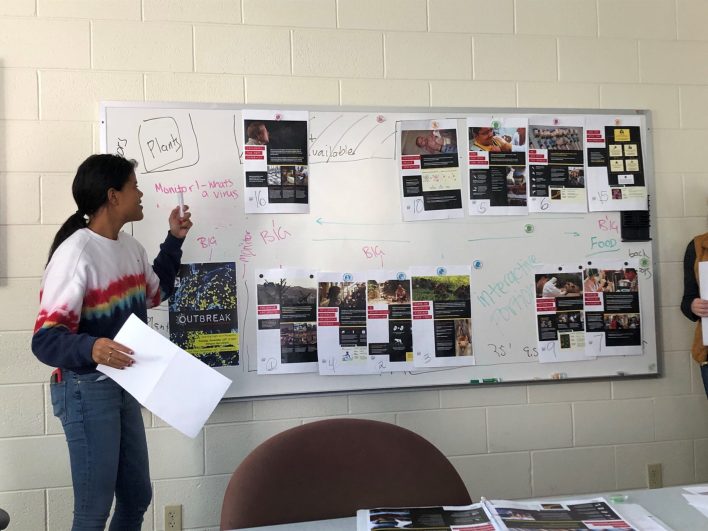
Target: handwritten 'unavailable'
(333,152)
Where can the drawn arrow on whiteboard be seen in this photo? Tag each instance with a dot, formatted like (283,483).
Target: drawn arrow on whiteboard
(323,222)
(356,240)
(573,233)
(498,238)
(600,252)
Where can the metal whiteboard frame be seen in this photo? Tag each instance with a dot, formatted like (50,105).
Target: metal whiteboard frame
(440,113)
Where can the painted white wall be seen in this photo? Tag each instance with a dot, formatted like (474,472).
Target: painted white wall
(59,58)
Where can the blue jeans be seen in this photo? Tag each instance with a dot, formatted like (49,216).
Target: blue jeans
(704,377)
(107,448)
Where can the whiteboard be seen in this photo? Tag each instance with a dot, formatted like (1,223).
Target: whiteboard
(355,223)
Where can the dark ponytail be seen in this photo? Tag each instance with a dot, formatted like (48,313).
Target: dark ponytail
(75,222)
(94,178)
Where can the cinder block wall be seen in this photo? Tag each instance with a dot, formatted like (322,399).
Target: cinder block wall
(59,58)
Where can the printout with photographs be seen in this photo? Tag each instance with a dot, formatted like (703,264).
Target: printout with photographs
(341,324)
(498,175)
(430,170)
(499,515)
(388,320)
(557,164)
(612,310)
(559,313)
(287,320)
(275,162)
(442,316)
(587,311)
(615,163)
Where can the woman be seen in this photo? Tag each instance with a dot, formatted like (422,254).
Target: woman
(692,305)
(593,282)
(96,277)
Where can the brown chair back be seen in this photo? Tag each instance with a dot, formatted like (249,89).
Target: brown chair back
(331,468)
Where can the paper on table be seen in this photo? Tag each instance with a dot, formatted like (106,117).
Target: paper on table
(697,500)
(167,380)
(697,489)
(700,508)
(640,517)
(699,493)
(703,282)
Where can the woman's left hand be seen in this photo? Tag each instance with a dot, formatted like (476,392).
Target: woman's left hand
(700,307)
(179,226)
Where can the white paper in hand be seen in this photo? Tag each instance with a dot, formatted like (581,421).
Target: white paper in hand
(187,394)
(167,380)
(153,353)
(703,281)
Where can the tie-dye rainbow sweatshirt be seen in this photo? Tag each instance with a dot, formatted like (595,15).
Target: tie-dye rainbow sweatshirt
(90,287)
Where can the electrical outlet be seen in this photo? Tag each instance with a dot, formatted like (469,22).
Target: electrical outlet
(654,478)
(173,518)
